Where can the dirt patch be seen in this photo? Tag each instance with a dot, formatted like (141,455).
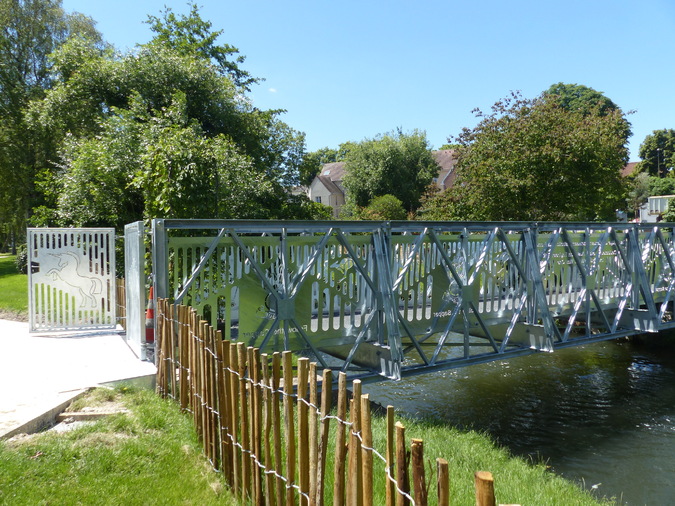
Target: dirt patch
(14,316)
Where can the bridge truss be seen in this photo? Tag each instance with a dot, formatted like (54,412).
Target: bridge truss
(403,298)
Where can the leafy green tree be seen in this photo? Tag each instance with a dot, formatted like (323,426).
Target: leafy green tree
(438,205)
(395,164)
(669,215)
(536,160)
(190,35)
(161,132)
(92,84)
(657,153)
(385,207)
(638,193)
(31,30)
(580,98)
(449,146)
(661,185)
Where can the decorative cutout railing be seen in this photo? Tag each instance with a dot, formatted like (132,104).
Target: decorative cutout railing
(399,298)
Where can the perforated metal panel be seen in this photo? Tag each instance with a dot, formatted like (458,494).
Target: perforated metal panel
(71,278)
(134,261)
(407,297)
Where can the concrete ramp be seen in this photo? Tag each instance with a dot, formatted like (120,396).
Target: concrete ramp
(40,374)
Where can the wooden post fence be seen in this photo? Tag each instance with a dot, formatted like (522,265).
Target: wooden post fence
(242,403)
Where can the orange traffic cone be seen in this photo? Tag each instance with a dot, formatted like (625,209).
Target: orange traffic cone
(150,318)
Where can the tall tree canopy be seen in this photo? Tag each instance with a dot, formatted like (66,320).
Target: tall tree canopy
(580,98)
(657,153)
(190,35)
(163,131)
(540,160)
(29,31)
(397,164)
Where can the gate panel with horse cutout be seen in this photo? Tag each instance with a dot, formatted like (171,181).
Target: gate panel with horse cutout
(71,279)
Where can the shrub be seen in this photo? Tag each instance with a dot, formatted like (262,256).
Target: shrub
(21,260)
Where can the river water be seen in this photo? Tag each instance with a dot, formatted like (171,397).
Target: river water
(602,415)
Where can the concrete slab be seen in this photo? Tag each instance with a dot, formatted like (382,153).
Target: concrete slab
(39,373)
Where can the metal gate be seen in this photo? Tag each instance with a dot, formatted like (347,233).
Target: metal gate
(134,261)
(71,278)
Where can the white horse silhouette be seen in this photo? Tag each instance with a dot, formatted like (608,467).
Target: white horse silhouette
(67,271)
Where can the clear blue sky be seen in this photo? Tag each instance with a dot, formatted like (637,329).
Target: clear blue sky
(349,70)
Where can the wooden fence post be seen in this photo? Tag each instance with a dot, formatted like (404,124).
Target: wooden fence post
(213,397)
(159,351)
(390,459)
(443,480)
(235,429)
(184,354)
(485,488)
(244,420)
(267,429)
(340,449)
(401,467)
(194,373)
(203,391)
(172,343)
(366,451)
(224,408)
(290,424)
(256,420)
(419,480)
(303,430)
(276,425)
(313,434)
(326,399)
(354,471)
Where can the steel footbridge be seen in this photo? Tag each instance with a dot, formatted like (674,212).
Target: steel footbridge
(400,298)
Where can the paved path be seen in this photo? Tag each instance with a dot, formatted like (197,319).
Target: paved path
(39,373)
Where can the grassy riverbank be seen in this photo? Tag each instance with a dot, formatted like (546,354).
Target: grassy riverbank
(517,481)
(150,455)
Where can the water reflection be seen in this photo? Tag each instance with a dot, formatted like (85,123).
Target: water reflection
(602,414)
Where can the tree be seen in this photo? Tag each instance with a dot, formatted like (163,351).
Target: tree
(190,35)
(395,164)
(161,132)
(580,98)
(669,215)
(661,185)
(638,193)
(31,30)
(438,205)
(385,207)
(657,153)
(537,160)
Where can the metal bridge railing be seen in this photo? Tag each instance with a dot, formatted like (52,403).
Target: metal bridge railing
(399,298)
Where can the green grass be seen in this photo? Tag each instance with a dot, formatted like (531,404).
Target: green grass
(13,290)
(152,456)
(517,481)
(149,456)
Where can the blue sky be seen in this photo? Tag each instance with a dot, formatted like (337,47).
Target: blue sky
(349,70)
